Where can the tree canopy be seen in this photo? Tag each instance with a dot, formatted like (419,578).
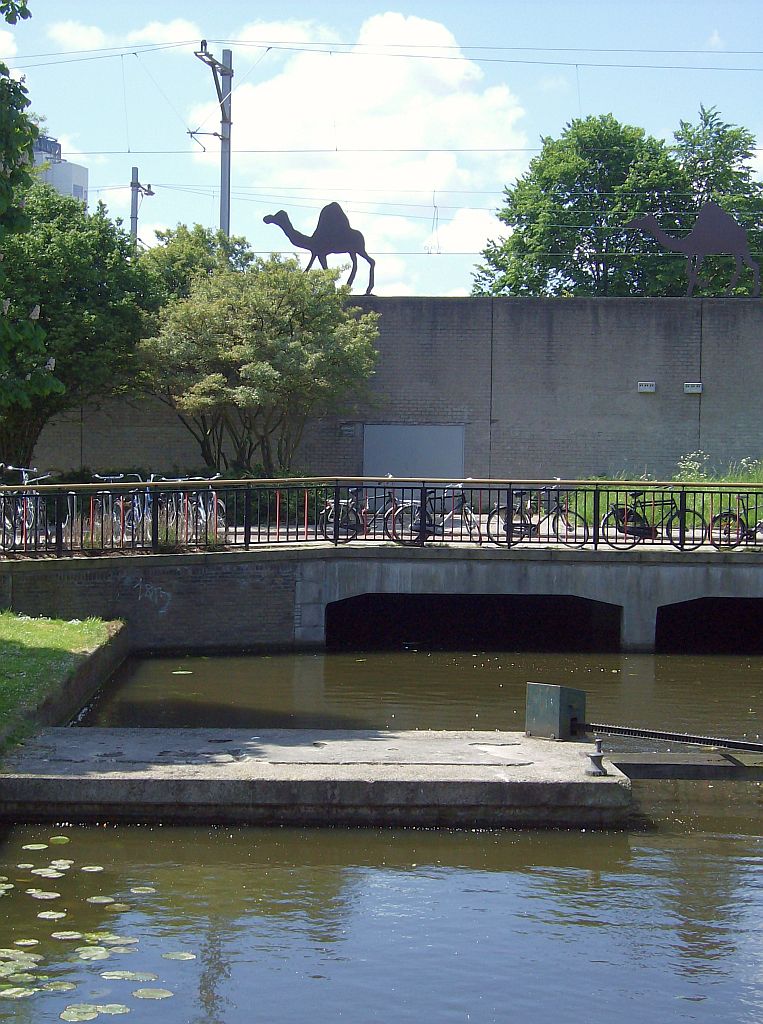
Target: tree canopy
(80,269)
(184,253)
(249,355)
(567,215)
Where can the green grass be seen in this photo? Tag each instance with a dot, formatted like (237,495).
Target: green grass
(36,657)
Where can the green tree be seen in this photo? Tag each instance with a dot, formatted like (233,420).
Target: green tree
(22,350)
(183,253)
(717,158)
(249,355)
(566,217)
(80,269)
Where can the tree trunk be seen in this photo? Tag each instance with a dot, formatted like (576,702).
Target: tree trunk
(20,430)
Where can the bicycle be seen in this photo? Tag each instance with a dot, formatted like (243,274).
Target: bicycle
(129,510)
(626,525)
(442,507)
(197,513)
(558,521)
(356,514)
(23,515)
(730,528)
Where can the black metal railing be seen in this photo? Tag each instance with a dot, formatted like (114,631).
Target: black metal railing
(119,514)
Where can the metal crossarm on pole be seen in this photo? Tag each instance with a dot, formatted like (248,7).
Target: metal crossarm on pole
(222,73)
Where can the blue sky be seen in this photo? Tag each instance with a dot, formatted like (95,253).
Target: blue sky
(416,114)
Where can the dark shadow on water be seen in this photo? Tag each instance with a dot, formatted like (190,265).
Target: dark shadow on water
(107,710)
(519,622)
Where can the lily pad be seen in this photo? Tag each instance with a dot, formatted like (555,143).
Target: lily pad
(100,899)
(62,863)
(19,992)
(93,953)
(152,993)
(128,976)
(119,907)
(26,942)
(24,867)
(48,872)
(113,1008)
(40,894)
(80,1011)
(59,840)
(52,915)
(22,978)
(35,846)
(178,956)
(91,867)
(58,986)
(66,935)
(142,888)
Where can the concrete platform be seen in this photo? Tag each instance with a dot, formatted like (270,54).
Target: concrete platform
(299,777)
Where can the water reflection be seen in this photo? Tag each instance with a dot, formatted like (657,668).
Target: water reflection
(431,690)
(400,925)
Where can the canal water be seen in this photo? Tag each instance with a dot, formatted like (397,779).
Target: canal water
(200,926)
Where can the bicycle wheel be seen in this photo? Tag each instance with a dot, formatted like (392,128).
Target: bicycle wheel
(347,525)
(623,527)
(470,520)
(498,522)
(7,524)
(406,524)
(126,516)
(727,530)
(168,508)
(344,527)
(695,530)
(570,528)
(214,512)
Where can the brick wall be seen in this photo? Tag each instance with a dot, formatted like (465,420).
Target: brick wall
(542,387)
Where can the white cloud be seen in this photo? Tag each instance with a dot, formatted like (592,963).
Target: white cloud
(422,111)
(468,231)
(555,84)
(715,42)
(8,46)
(175,31)
(73,35)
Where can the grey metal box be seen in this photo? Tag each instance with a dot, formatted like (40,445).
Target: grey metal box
(553,712)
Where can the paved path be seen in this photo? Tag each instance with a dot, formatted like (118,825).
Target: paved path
(305,777)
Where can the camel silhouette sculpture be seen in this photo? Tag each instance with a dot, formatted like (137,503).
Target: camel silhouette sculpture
(715,233)
(332,234)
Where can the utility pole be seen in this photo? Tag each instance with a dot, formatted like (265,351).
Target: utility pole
(222,72)
(136,189)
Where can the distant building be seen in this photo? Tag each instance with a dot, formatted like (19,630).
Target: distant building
(67,178)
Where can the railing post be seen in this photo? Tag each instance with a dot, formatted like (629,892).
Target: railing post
(154,520)
(509,515)
(337,513)
(596,515)
(682,518)
(423,515)
(247,517)
(57,504)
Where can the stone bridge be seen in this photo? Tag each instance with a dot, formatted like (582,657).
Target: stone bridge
(278,596)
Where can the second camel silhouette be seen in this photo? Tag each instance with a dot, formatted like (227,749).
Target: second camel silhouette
(715,232)
(332,234)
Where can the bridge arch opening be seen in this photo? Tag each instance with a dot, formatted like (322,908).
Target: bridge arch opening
(711,625)
(487,621)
